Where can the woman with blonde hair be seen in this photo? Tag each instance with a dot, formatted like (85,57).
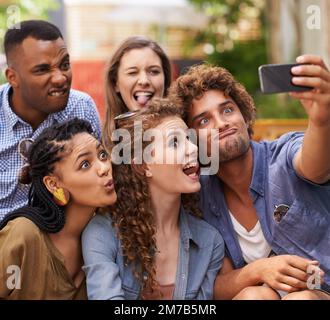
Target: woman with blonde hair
(152,244)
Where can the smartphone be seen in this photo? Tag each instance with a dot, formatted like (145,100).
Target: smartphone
(276,78)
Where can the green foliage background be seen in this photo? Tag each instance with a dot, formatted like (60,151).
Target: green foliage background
(243,58)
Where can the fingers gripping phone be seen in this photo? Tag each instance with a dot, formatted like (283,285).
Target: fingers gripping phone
(276,78)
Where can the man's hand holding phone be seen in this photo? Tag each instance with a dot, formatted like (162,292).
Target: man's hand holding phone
(313,73)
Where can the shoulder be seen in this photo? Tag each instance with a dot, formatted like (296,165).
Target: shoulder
(23,231)
(3,92)
(204,233)
(285,141)
(281,150)
(99,227)
(76,95)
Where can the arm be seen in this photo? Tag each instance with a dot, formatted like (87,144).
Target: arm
(313,159)
(284,272)
(99,251)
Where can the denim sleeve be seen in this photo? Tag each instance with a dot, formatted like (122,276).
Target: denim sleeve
(286,149)
(100,246)
(207,287)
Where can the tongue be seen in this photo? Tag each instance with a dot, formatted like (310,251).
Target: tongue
(189,171)
(142,99)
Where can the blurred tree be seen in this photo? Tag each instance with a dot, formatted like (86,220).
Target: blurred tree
(235,37)
(241,36)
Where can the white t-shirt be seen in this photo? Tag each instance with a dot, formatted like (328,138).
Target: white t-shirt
(253,243)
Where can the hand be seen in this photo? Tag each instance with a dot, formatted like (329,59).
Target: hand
(317,101)
(286,273)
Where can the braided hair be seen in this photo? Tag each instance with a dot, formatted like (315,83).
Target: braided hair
(43,154)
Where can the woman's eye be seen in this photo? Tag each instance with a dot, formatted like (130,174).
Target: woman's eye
(204,121)
(84,165)
(155,72)
(103,155)
(174,142)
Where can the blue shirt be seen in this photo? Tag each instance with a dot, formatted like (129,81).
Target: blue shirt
(201,251)
(13,129)
(304,230)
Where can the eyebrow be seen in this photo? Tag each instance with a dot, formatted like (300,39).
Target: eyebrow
(201,115)
(87,153)
(152,66)
(46,65)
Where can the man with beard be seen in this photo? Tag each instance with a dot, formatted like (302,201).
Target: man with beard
(269,200)
(37,95)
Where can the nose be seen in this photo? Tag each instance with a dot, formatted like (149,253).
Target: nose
(104,168)
(220,123)
(58,78)
(143,78)
(191,150)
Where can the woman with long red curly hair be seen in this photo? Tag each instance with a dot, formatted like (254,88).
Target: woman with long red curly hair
(152,244)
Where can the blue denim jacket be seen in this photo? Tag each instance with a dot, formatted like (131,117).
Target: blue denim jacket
(304,230)
(200,258)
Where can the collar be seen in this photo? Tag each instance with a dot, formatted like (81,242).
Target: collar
(259,168)
(186,233)
(10,115)
(213,184)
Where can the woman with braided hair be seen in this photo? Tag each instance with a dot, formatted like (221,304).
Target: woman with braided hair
(40,247)
(152,244)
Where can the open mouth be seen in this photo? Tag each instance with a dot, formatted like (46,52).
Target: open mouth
(142,97)
(191,170)
(58,92)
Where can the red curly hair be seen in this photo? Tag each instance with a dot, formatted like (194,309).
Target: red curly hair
(132,214)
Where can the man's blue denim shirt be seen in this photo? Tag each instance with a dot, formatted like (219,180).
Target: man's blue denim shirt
(304,230)
(108,277)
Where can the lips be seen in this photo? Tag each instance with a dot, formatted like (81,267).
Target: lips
(58,92)
(191,170)
(226,133)
(109,185)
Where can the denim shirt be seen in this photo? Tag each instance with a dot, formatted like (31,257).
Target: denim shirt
(201,251)
(304,230)
(13,129)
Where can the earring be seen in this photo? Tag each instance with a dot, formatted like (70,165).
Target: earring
(61,196)
(148,174)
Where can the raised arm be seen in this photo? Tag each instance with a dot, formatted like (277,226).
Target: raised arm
(313,159)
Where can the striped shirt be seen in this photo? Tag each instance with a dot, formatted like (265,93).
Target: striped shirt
(13,129)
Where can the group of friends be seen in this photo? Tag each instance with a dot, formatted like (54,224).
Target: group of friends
(75,226)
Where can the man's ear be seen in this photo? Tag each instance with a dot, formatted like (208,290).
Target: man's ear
(11,76)
(51,183)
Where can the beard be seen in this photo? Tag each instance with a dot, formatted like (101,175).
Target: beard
(233,149)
